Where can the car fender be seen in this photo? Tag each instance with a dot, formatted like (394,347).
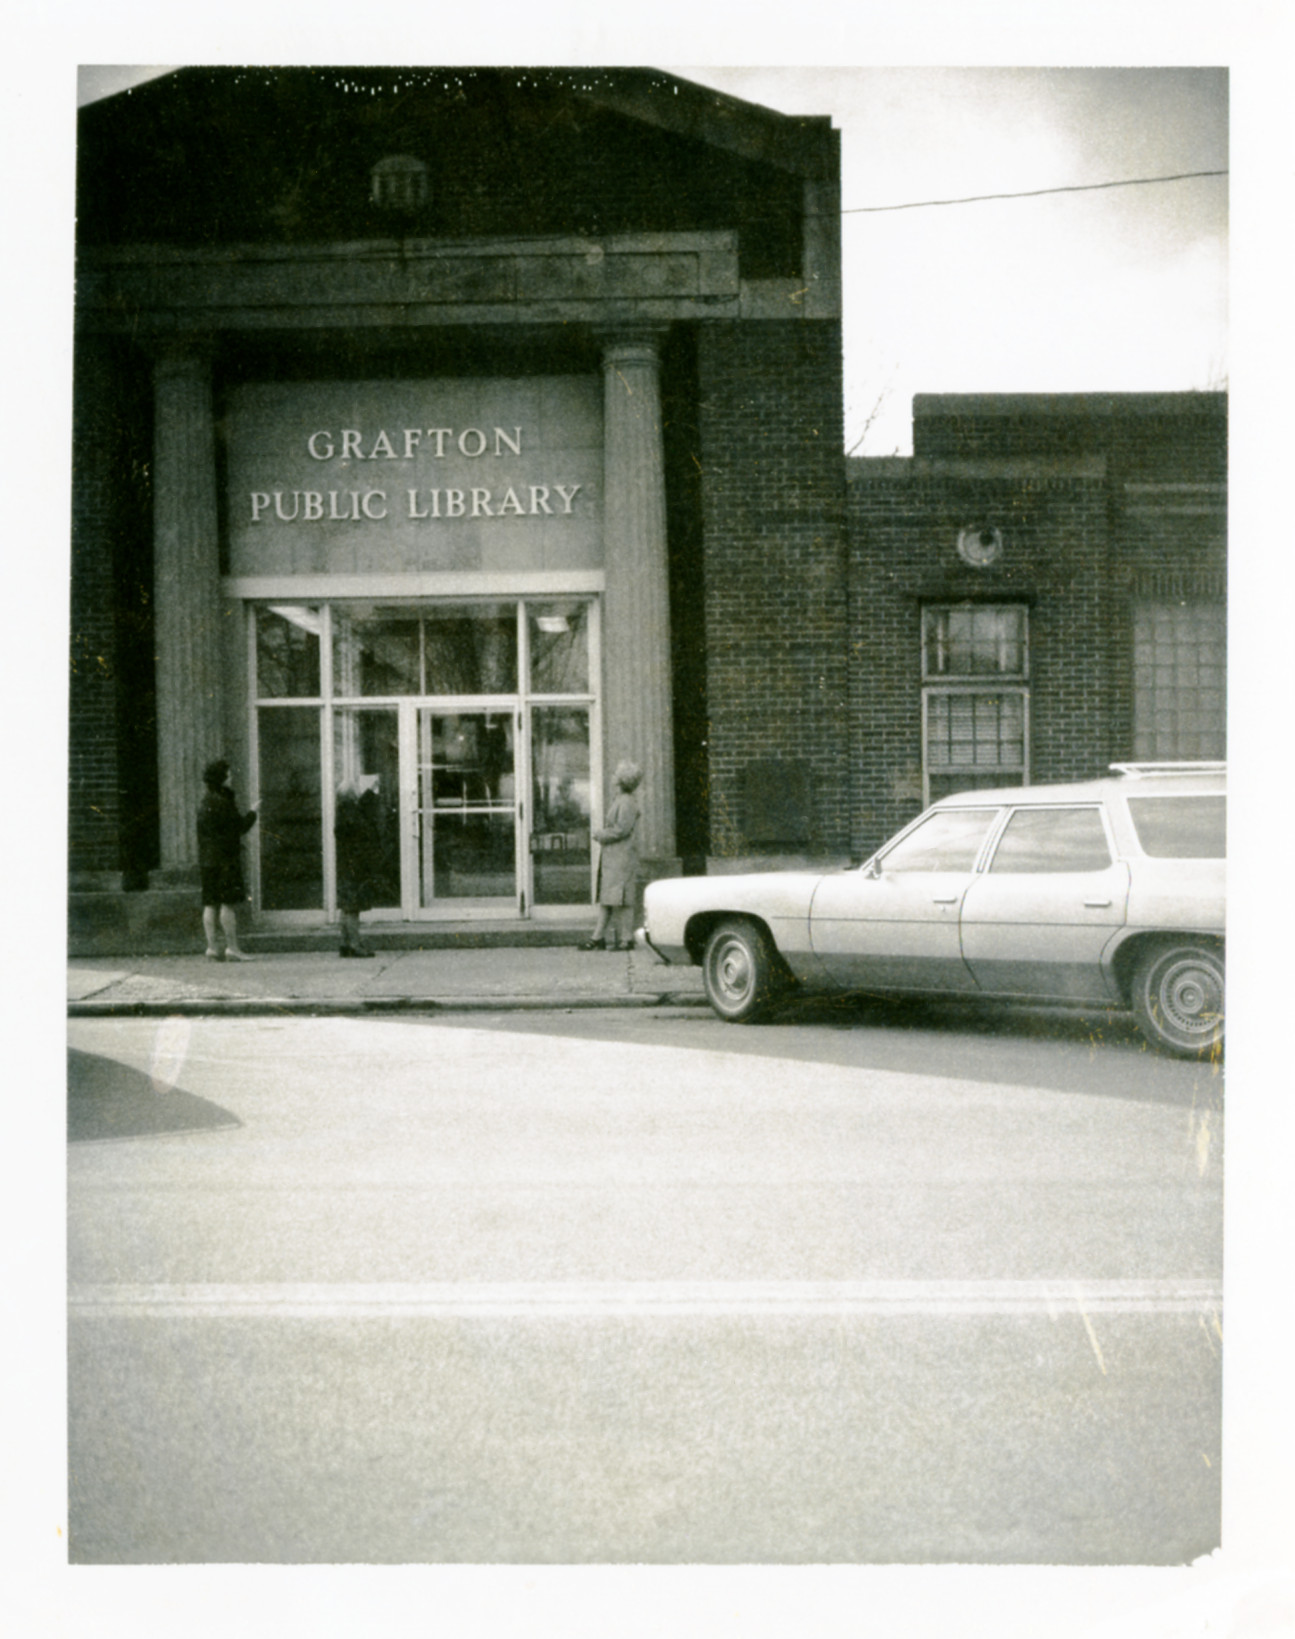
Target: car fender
(678,912)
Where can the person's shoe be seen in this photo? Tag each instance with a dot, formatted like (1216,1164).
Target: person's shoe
(215,956)
(360,953)
(238,956)
(592,944)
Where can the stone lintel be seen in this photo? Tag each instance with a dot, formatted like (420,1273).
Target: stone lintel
(615,280)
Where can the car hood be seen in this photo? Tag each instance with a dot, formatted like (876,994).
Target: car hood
(765,893)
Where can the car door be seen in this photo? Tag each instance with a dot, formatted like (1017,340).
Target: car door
(1039,915)
(893,924)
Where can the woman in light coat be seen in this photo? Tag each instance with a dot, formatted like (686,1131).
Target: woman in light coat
(618,863)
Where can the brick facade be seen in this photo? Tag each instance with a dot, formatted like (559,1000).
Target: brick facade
(1100,499)
(775,571)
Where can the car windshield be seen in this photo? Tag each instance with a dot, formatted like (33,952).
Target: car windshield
(1181,827)
(948,840)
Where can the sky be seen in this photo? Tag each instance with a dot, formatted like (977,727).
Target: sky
(1112,290)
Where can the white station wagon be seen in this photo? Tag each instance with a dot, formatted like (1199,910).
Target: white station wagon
(1107,893)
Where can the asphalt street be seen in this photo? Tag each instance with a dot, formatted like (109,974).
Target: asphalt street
(639,1287)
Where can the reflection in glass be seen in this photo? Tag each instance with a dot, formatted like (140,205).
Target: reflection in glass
(290,825)
(1053,839)
(366,753)
(559,644)
(466,806)
(471,649)
(1181,827)
(974,640)
(947,841)
(375,651)
(560,805)
(287,653)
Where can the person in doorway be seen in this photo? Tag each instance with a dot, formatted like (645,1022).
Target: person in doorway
(359,859)
(618,864)
(220,838)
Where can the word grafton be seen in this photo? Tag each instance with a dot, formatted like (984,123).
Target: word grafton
(310,506)
(471,441)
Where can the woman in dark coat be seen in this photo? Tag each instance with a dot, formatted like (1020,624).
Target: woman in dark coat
(359,859)
(618,863)
(220,862)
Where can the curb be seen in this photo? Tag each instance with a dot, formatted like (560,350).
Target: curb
(322,1007)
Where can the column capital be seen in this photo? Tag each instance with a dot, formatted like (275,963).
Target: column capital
(636,344)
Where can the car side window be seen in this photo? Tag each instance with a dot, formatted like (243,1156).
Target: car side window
(948,840)
(1052,839)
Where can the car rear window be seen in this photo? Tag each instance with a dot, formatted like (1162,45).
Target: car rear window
(1181,827)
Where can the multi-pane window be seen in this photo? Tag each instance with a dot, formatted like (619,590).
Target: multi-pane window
(1179,666)
(433,708)
(975,698)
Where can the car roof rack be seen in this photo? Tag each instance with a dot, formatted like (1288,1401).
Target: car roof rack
(1141,770)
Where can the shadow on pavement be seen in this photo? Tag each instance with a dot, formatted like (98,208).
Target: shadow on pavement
(110,1100)
(1094,1053)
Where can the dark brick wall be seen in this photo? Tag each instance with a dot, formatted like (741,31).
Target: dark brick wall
(770,431)
(904,523)
(112,748)
(94,804)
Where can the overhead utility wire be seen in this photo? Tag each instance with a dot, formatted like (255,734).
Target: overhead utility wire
(1032,193)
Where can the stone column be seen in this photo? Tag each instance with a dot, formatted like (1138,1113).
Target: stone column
(186,591)
(637,714)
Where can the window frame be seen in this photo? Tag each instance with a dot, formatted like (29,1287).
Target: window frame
(936,684)
(1092,807)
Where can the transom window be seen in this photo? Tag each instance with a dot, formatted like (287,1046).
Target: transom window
(975,699)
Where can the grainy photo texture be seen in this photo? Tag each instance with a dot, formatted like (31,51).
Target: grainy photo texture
(647,779)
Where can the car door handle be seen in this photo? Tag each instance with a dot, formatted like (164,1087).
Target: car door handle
(945,899)
(1096,904)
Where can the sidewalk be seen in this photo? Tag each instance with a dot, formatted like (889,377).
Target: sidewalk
(395,980)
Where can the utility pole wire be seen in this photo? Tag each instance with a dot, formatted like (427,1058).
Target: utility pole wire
(1032,193)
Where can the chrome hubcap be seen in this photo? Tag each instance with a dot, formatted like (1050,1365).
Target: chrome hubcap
(1191,997)
(733,970)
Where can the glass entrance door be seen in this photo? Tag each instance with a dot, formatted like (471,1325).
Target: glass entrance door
(465,824)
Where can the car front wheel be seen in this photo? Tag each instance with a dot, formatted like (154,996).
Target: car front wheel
(743,974)
(1178,998)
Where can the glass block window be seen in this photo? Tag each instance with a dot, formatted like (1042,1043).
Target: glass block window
(975,706)
(1179,671)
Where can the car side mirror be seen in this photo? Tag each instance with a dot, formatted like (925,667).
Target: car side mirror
(872,869)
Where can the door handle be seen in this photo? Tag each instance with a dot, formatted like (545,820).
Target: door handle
(1096,904)
(945,899)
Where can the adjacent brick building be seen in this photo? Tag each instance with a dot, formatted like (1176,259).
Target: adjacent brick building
(1078,544)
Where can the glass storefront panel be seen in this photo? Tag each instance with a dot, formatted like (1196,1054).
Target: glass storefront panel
(287,652)
(559,647)
(366,755)
(375,651)
(466,807)
(470,649)
(561,799)
(440,761)
(290,820)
